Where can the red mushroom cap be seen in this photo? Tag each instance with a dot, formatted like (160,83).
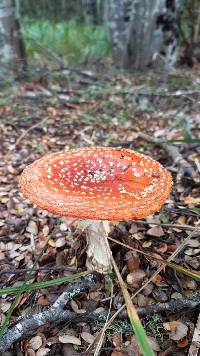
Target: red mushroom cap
(97,183)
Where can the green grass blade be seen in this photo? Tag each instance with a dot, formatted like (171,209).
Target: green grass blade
(39,285)
(137,327)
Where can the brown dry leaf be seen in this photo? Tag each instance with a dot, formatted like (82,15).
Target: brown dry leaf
(157,279)
(162,248)
(177,329)
(76,308)
(69,339)
(87,337)
(156,231)
(183,343)
(35,343)
(42,300)
(135,277)
(191,201)
(132,260)
(189,284)
(181,220)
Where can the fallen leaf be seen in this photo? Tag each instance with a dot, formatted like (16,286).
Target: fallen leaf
(32,227)
(157,279)
(35,343)
(177,329)
(181,220)
(135,277)
(43,351)
(147,244)
(69,339)
(60,242)
(87,337)
(42,300)
(132,260)
(156,231)
(183,343)
(162,248)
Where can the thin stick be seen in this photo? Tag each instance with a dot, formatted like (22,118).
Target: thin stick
(29,129)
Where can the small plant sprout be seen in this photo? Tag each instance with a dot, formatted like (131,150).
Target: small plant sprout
(98,185)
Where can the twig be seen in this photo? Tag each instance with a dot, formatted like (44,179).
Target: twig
(174,153)
(55,314)
(29,129)
(171,306)
(195,345)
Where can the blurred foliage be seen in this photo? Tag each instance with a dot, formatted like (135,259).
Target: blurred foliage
(50,9)
(70,39)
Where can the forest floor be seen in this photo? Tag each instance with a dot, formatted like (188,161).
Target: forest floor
(57,110)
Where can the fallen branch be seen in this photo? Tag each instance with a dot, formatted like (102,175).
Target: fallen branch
(177,158)
(174,305)
(55,314)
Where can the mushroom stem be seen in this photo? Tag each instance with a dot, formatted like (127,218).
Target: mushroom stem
(98,250)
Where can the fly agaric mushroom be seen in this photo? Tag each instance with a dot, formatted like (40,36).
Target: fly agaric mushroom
(97,183)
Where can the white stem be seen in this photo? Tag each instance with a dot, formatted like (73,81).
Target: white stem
(98,250)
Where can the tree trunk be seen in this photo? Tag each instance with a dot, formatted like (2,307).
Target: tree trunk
(12,53)
(144,33)
(94,11)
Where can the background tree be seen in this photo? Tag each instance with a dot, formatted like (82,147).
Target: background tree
(12,53)
(144,33)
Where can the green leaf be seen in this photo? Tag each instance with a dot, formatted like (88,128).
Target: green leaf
(195,210)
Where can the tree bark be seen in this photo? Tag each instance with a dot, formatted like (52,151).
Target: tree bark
(144,33)
(12,52)
(94,11)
